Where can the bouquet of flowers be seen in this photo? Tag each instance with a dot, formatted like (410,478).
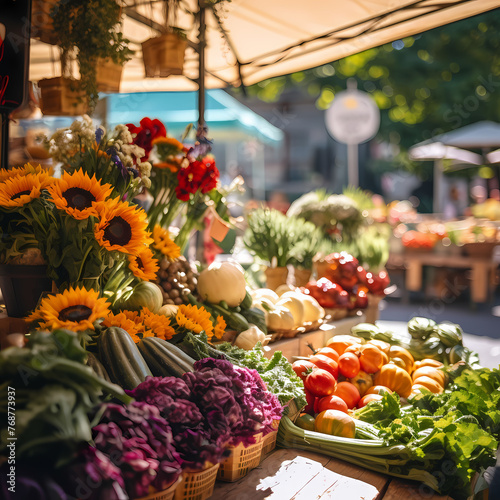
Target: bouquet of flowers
(184,180)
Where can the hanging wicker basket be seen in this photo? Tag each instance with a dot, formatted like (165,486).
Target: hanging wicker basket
(163,55)
(61,97)
(42,27)
(108,75)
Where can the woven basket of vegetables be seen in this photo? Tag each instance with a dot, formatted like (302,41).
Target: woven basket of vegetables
(241,461)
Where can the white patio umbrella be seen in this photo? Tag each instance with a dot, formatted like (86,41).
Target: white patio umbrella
(251,40)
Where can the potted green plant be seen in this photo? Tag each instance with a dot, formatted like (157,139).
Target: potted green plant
(271,237)
(92,29)
(163,55)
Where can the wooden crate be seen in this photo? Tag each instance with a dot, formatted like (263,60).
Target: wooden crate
(61,97)
(163,55)
(108,75)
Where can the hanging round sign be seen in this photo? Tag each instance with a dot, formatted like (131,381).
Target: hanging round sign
(353,117)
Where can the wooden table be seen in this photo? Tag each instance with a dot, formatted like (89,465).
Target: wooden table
(287,474)
(482,269)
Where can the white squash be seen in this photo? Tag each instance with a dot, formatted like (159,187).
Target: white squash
(295,306)
(283,289)
(266,293)
(168,309)
(280,318)
(264,305)
(312,310)
(249,338)
(222,281)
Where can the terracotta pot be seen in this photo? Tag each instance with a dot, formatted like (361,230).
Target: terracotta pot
(163,55)
(22,286)
(301,276)
(62,97)
(276,276)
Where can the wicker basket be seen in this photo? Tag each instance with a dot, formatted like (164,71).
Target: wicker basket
(269,440)
(167,494)
(163,55)
(108,75)
(241,461)
(197,485)
(61,98)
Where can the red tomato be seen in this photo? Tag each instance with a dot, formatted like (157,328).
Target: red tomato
(325,363)
(349,365)
(330,403)
(367,398)
(310,399)
(328,351)
(378,389)
(301,367)
(320,382)
(349,393)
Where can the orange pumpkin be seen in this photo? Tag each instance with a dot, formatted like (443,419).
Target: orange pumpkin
(428,371)
(340,343)
(371,359)
(329,352)
(428,383)
(395,378)
(383,346)
(335,423)
(378,389)
(367,398)
(362,381)
(434,363)
(385,357)
(397,351)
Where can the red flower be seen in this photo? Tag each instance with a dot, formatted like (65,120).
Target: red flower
(211,175)
(148,130)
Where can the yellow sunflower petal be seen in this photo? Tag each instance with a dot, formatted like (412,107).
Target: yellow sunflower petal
(121,227)
(20,190)
(220,327)
(77,194)
(143,265)
(121,320)
(75,309)
(164,243)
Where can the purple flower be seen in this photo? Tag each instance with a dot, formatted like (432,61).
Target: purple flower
(99,133)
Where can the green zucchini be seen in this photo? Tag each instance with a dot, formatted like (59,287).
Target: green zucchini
(255,317)
(121,358)
(97,366)
(247,301)
(233,319)
(165,359)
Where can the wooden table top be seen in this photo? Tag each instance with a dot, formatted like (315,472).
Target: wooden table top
(289,474)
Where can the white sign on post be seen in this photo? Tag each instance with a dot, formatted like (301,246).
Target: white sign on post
(353,118)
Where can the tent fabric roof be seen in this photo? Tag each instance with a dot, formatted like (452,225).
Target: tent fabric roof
(252,40)
(484,134)
(178,109)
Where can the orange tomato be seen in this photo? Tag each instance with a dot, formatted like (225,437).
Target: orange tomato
(340,343)
(367,398)
(347,392)
(349,364)
(396,378)
(363,381)
(330,403)
(328,351)
(371,359)
(325,363)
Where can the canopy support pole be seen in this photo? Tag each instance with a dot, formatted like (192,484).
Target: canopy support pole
(202,42)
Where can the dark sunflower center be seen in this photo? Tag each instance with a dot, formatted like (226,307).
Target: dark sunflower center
(118,231)
(75,313)
(21,193)
(79,198)
(140,264)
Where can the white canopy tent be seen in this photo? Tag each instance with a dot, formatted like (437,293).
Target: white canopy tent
(251,40)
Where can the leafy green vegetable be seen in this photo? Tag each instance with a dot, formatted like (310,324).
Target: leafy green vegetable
(457,430)
(54,394)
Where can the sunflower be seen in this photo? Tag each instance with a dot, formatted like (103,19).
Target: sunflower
(7,173)
(122,321)
(77,194)
(75,309)
(20,190)
(173,166)
(157,323)
(220,327)
(143,265)
(121,227)
(195,319)
(164,243)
